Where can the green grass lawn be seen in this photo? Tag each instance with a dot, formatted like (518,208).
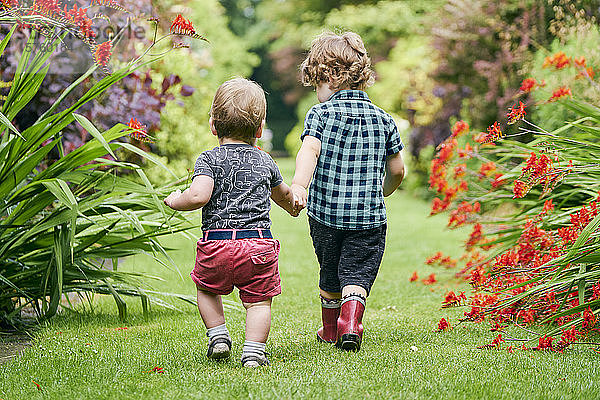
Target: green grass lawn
(84,355)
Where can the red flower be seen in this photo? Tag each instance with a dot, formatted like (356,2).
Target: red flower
(589,319)
(560,93)
(414,277)
(548,206)
(158,370)
(438,205)
(586,73)
(437,256)
(460,170)
(520,190)
(558,60)
(596,291)
(448,262)
(475,237)
(103,53)
(580,62)
(493,133)
(497,327)
(487,169)
(516,113)
(495,343)
(460,216)
(569,336)
(443,325)
(459,128)
(474,314)
(10,3)
(544,343)
(122,328)
(497,182)
(139,131)
(528,85)
(79,18)
(451,299)
(430,280)
(37,385)
(48,8)
(466,153)
(184,27)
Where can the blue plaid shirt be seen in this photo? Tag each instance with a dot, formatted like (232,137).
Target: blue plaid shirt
(356,137)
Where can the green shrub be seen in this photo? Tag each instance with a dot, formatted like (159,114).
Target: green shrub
(62,223)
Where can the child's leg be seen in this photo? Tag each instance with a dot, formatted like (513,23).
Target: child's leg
(361,256)
(258,320)
(327,244)
(258,324)
(330,311)
(210,306)
(354,289)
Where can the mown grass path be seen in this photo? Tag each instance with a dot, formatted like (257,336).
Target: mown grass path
(87,355)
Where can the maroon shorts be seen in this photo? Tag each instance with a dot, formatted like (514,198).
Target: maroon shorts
(251,265)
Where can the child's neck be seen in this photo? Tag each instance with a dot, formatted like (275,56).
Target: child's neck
(227,140)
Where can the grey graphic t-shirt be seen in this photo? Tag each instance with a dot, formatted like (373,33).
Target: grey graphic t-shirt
(244,177)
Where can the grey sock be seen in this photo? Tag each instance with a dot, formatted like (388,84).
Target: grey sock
(330,303)
(217,332)
(254,349)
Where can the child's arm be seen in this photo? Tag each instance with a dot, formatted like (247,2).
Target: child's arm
(194,197)
(394,173)
(306,161)
(283,197)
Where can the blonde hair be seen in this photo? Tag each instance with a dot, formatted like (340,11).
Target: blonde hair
(340,60)
(238,109)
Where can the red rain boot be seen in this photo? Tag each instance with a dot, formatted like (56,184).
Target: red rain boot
(329,314)
(349,323)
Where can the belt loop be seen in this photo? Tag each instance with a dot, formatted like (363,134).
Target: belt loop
(204,236)
(233,231)
(260,234)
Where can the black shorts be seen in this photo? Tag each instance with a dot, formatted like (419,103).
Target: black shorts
(347,257)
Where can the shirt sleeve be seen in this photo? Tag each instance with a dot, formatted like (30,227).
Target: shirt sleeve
(393,144)
(276,178)
(202,166)
(312,125)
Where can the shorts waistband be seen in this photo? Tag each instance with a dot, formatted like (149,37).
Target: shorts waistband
(232,234)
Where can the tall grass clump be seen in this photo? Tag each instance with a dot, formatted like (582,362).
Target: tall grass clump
(67,217)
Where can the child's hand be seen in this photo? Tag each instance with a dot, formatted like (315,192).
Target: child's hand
(170,198)
(300,196)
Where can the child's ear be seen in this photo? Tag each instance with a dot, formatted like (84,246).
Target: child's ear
(259,131)
(212,126)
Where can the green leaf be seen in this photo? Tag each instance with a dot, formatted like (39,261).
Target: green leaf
(148,156)
(10,126)
(61,191)
(61,247)
(121,305)
(7,38)
(88,126)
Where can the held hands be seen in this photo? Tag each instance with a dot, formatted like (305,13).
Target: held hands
(300,196)
(172,197)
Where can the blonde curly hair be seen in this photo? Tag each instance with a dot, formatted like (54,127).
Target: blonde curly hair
(340,60)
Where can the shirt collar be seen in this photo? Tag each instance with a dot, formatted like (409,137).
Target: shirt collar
(349,94)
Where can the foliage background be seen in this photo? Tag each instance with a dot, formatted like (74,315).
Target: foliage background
(435,61)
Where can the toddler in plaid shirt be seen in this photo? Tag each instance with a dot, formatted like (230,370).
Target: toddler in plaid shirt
(351,152)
